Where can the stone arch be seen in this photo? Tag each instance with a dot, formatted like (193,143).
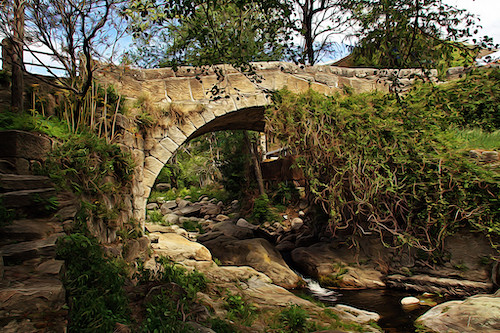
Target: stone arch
(241,112)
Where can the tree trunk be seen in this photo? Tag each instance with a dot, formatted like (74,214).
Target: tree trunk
(17,89)
(256,164)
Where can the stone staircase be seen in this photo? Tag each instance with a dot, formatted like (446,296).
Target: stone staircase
(32,296)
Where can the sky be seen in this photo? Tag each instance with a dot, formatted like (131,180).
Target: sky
(487,10)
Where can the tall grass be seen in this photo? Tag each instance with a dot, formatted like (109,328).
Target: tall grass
(477,138)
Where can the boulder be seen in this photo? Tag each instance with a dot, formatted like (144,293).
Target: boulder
(181,203)
(356,315)
(163,187)
(191,210)
(171,219)
(179,248)
(479,313)
(410,300)
(244,224)
(209,208)
(257,253)
(230,229)
(168,206)
(221,218)
(297,223)
(333,266)
(151,206)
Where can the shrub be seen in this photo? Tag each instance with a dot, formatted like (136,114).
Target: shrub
(378,164)
(94,285)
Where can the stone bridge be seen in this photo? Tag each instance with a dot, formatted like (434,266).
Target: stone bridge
(193,101)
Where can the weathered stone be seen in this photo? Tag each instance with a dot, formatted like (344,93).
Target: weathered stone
(257,253)
(171,219)
(332,265)
(228,228)
(479,313)
(163,187)
(190,210)
(151,206)
(244,224)
(356,315)
(210,209)
(297,223)
(445,286)
(179,248)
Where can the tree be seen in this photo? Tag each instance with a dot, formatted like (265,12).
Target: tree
(317,22)
(207,32)
(74,32)
(410,33)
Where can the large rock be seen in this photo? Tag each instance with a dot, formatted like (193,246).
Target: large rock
(228,228)
(179,248)
(334,267)
(257,253)
(211,209)
(479,313)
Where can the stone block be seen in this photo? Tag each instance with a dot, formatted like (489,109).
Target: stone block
(161,153)
(169,144)
(251,101)
(323,89)
(214,87)
(153,165)
(297,85)
(196,119)
(240,83)
(187,127)
(207,115)
(197,91)
(178,89)
(31,146)
(328,79)
(158,73)
(149,177)
(176,135)
(221,106)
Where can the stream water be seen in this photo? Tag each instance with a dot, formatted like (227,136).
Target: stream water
(386,302)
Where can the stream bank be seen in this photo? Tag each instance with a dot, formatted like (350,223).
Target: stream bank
(370,270)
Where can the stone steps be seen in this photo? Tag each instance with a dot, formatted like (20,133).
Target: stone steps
(28,230)
(11,182)
(17,253)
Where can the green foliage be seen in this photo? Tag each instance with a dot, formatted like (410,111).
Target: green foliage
(207,33)
(285,193)
(471,102)
(221,326)
(89,165)
(238,309)
(480,139)
(167,311)
(93,284)
(378,164)
(411,34)
(294,318)
(262,210)
(191,225)
(194,193)
(163,315)
(35,122)
(154,216)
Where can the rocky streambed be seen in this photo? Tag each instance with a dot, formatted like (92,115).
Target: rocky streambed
(246,258)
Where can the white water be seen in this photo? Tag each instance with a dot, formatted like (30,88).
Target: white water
(323,294)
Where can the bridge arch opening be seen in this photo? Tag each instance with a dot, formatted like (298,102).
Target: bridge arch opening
(164,147)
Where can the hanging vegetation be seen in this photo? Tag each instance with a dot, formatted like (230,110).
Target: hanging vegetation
(377,165)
